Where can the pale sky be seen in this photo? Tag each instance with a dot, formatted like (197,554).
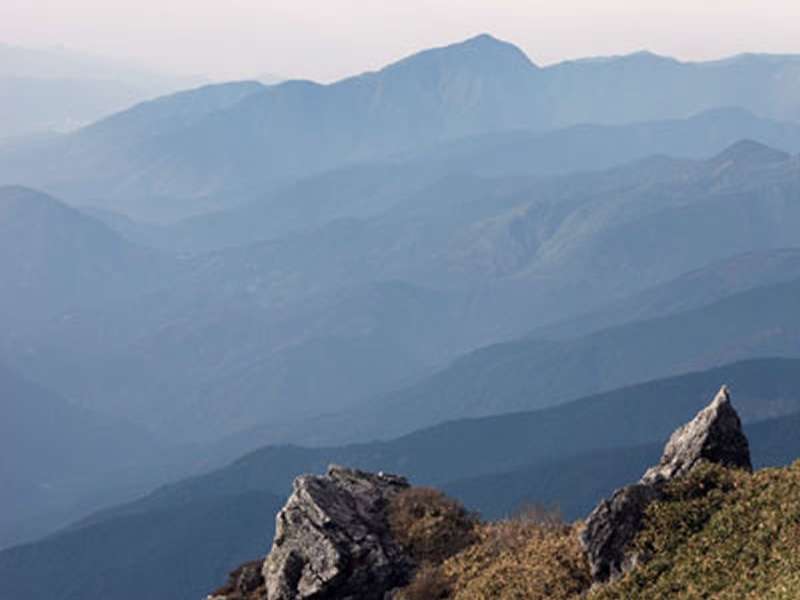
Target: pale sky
(328,39)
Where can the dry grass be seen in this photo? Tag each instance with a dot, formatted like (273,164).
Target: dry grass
(510,560)
(535,512)
(519,559)
(429,583)
(718,533)
(430,525)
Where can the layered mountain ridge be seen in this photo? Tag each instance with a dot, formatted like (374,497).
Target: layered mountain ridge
(278,133)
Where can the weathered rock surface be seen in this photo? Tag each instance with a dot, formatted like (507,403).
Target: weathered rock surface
(714,435)
(333,539)
(611,527)
(242,583)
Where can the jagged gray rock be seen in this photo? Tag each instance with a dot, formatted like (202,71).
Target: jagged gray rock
(333,539)
(611,526)
(714,435)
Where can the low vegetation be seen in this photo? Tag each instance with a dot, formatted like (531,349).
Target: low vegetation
(531,556)
(431,526)
(517,560)
(718,533)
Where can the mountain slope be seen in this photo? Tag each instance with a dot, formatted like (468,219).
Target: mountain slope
(635,86)
(163,555)
(371,189)
(695,289)
(528,374)
(294,128)
(462,263)
(53,258)
(54,454)
(607,233)
(454,450)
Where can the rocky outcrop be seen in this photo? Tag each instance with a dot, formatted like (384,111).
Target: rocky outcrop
(714,435)
(611,527)
(333,539)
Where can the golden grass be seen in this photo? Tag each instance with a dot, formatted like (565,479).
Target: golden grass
(510,560)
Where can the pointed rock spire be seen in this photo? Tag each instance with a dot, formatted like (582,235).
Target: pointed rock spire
(713,436)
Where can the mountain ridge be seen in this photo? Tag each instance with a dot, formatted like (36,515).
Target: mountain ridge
(377,114)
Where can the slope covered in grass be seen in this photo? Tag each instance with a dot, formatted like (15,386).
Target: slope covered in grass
(717,533)
(720,534)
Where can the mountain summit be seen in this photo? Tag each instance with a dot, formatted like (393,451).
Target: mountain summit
(478,52)
(749,152)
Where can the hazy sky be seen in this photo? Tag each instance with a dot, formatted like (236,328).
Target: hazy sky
(328,39)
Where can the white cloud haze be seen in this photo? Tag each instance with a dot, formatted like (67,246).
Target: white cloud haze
(328,39)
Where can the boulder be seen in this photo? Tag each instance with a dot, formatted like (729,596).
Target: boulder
(713,436)
(333,539)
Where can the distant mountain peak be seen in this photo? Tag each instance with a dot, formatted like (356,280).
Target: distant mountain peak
(483,49)
(751,152)
(485,40)
(642,57)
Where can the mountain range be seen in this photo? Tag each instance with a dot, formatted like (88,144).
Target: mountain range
(370,189)
(508,280)
(279,133)
(368,305)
